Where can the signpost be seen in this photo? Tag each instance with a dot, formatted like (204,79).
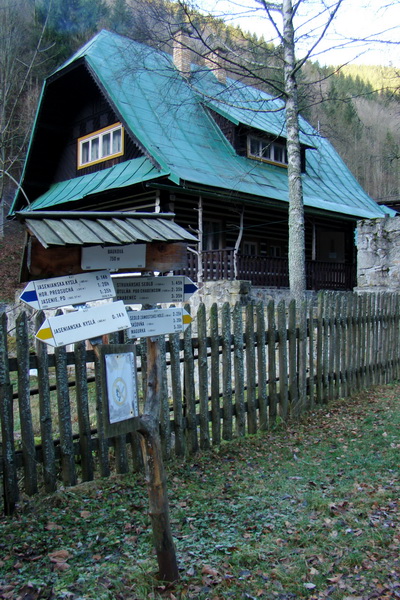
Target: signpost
(131,256)
(84,324)
(150,323)
(71,289)
(153,290)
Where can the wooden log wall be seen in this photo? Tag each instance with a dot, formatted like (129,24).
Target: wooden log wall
(235,370)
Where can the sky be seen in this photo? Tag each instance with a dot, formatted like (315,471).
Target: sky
(360,19)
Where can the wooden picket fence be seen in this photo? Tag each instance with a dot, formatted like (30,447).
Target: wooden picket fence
(234,371)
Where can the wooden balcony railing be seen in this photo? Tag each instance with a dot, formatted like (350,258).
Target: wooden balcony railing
(269,272)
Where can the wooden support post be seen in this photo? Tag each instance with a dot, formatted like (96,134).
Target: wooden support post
(148,430)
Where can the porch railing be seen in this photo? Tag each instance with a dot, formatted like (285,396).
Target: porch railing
(270,272)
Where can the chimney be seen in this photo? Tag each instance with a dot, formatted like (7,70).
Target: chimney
(181,53)
(214,60)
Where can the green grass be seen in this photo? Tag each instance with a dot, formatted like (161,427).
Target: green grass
(307,510)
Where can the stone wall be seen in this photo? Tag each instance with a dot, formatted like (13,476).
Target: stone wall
(378,255)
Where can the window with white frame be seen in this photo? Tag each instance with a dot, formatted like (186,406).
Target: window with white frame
(101,145)
(267,150)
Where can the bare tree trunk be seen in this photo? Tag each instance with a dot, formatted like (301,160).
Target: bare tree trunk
(297,274)
(238,242)
(154,468)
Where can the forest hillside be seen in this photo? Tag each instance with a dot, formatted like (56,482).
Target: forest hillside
(357,107)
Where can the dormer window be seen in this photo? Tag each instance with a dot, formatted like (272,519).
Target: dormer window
(101,145)
(267,150)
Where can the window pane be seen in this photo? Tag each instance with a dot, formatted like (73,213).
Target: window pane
(266,150)
(278,153)
(117,138)
(254,147)
(85,152)
(106,145)
(95,149)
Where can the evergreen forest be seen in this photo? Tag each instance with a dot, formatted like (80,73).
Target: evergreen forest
(357,107)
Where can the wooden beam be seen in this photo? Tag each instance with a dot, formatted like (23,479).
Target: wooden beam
(40,263)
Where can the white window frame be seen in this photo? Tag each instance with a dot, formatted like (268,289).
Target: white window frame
(98,138)
(267,150)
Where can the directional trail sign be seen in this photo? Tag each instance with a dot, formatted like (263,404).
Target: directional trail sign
(152,290)
(84,324)
(71,289)
(114,257)
(149,323)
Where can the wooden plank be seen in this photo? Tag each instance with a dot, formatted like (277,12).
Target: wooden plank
(68,471)
(251,371)
(325,349)
(192,443)
(311,356)
(214,375)
(177,399)
(24,403)
(82,403)
(271,338)
(102,456)
(46,427)
(56,261)
(283,361)
(203,378)
(292,361)
(165,414)
(319,343)
(332,347)
(238,365)
(343,346)
(226,372)
(261,367)
(302,357)
(10,485)
(368,372)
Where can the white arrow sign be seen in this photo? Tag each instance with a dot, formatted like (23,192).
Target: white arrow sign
(131,256)
(149,323)
(84,324)
(71,289)
(152,290)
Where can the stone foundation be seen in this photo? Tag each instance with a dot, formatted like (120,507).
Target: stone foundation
(378,255)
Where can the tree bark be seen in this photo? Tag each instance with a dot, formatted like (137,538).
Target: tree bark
(297,275)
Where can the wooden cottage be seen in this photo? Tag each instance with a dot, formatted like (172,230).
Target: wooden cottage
(124,127)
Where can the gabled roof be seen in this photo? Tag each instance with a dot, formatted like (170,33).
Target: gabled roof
(166,114)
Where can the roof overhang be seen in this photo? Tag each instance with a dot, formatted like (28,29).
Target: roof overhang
(55,241)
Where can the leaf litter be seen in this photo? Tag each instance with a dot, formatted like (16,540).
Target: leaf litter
(306,510)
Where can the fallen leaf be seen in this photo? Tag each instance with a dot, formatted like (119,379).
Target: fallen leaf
(59,556)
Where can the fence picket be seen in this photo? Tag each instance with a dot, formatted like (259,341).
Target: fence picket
(203,378)
(227,372)
(24,402)
(165,417)
(271,338)
(190,393)
(239,369)
(282,356)
(176,390)
(103,458)
(292,361)
(64,418)
(46,427)
(214,375)
(261,367)
(251,371)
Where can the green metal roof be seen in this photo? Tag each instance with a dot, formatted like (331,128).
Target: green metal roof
(167,115)
(119,176)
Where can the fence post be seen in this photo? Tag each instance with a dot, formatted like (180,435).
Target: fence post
(24,401)
(261,367)
(271,336)
(226,371)
(10,485)
(238,359)
(292,361)
(203,377)
(177,399)
(283,366)
(190,393)
(215,403)
(46,430)
(64,418)
(251,371)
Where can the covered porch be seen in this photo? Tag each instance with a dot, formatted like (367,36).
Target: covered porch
(264,271)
